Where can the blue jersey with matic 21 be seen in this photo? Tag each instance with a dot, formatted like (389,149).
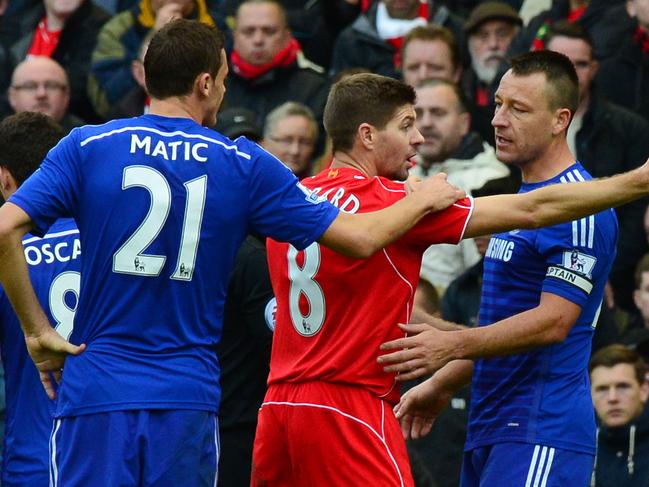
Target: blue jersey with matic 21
(162,205)
(543,396)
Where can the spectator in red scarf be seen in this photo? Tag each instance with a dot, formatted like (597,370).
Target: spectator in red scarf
(374,40)
(267,66)
(64,30)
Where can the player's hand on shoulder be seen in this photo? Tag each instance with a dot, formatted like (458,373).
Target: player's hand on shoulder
(48,350)
(440,193)
(419,407)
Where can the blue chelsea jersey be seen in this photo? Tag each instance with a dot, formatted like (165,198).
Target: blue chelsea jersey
(54,263)
(543,396)
(162,205)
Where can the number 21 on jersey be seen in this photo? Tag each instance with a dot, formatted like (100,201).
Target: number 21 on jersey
(305,298)
(130,258)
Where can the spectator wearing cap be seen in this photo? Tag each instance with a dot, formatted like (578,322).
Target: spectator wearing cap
(374,39)
(267,66)
(430,52)
(490,28)
(237,122)
(620,391)
(290,134)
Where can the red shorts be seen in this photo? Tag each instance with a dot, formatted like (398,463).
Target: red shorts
(318,434)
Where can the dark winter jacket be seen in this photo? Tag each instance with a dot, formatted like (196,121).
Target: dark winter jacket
(624,78)
(359,45)
(301,82)
(623,455)
(613,140)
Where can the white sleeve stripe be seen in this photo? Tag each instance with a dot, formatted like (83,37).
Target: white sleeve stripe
(586,236)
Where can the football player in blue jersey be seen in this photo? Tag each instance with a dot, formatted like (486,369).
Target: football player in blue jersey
(162,204)
(531,420)
(54,263)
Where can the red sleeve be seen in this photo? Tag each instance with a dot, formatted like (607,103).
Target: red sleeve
(445,226)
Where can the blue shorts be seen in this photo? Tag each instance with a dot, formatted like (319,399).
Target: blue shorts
(525,465)
(135,448)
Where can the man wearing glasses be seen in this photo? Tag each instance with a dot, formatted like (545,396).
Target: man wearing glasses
(39,84)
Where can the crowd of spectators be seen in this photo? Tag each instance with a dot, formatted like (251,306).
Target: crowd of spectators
(80,61)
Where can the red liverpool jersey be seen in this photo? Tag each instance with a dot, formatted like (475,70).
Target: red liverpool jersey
(333,312)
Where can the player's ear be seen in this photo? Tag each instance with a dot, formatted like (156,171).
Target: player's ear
(561,120)
(366,135)
(203,83)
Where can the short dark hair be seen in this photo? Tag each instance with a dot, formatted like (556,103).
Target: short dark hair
(615,354)
(641,267)
(462,104)
(573,30)
(178,53)
(560,74)
(363,98)
(26,138)
(430,33)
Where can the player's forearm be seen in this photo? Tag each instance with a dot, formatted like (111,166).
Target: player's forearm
(453,376)
(564,202)
(421,316)
(517,334)
(363,234)
(16,283)
(14,275)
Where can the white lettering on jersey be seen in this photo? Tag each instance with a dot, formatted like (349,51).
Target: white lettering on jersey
(337,197)
(500,249)
(42,251)
(169,151)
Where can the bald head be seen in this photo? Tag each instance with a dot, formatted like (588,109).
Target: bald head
(40,84)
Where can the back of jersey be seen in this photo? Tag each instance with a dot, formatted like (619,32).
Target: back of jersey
(162,205)
(54,269)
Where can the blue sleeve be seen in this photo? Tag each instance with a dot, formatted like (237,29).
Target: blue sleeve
(52,191)
(282,208)
(579,256)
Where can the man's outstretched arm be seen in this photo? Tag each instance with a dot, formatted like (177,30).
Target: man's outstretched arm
(431,349)
(556,203)
(362,234)
(46,347)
